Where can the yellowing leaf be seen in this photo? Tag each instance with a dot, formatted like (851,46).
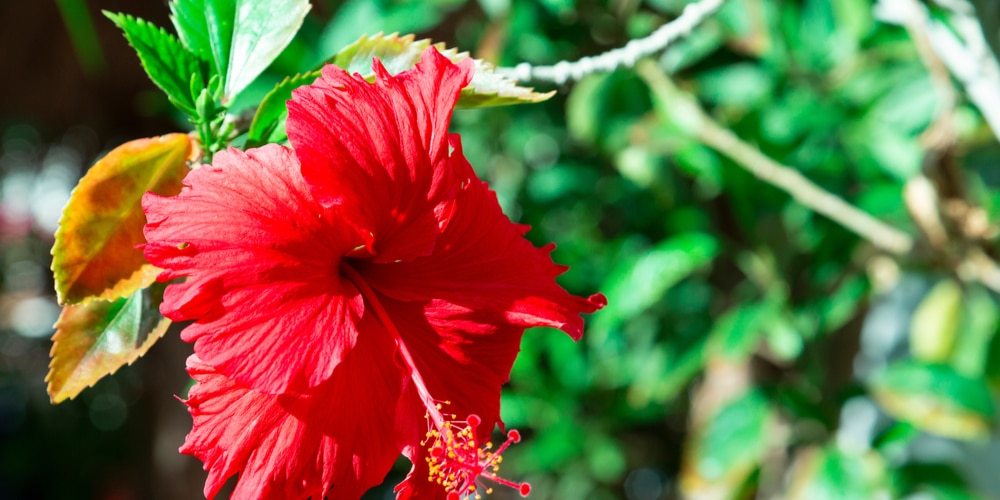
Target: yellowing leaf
(98,337)
(936,399)
(95,254)
(934,326)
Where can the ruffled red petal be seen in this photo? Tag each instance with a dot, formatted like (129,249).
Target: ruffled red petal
(341,436)
(261,260)
(379,150)
(483,273)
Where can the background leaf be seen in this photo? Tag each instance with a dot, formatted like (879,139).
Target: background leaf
(731,444)
(95,254)
(637,284)
(263,28)
(935,322)
(166,61)
(99,337)
(829,474)
(936,398)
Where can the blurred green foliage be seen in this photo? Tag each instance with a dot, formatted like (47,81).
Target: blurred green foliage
(750,346)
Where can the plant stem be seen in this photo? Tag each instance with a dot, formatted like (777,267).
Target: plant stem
(564,71)
(768,170)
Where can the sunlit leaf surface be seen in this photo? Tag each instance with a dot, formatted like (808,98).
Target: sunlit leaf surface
(262,29)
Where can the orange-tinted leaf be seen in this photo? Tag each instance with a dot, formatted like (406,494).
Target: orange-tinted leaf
(98,337)
(95,254)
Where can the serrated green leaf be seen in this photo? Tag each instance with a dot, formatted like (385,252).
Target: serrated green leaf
(167,62)
(269,121)
(99,337)
(489,88)
(263,28)
(935,398)
(400,53)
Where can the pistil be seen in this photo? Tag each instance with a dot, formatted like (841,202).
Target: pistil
(456,460)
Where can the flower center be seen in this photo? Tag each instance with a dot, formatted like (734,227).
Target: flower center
(455,458)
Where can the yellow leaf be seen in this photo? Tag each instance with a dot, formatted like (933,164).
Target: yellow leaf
(95,255)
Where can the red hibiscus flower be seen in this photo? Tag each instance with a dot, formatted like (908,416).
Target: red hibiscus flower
(355,297)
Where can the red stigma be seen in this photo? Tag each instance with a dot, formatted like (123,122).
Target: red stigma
(514,436)
(458,462)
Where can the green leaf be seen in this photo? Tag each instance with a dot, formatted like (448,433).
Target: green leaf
(167,62)
(605,458)
(733,441)
(737,333)
(219,18)
(99,337)
(263,29)
(934,481)
(655,375)
(400,53)
(895,438)
(188,17)
(269,121)
(742,86)
(95,254)
(935,398)
(206,28)
(639,282)
(832,474)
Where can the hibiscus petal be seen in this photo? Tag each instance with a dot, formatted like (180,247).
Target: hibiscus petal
(416,486)
(466,376)
(340,436)
(379,150)
(483,272)
(261,260)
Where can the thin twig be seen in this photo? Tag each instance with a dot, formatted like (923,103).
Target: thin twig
(564,71)
(969,59)
(973,63)
(768,170)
